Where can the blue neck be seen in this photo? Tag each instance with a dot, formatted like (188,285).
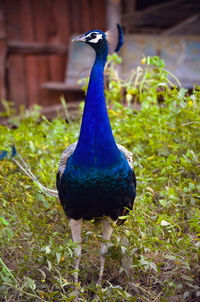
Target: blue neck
(96,145)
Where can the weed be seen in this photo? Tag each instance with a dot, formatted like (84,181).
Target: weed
(155,255)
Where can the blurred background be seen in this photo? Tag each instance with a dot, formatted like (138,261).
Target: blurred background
(37,59)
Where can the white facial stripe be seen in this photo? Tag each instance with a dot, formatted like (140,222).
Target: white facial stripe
(95,40)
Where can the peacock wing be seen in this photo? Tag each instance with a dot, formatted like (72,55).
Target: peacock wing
(129,157)
(128,154)
(64,158)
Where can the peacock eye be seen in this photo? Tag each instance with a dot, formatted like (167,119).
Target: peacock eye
(93,35)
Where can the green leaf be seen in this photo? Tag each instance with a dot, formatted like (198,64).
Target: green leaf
(3,220)
(30,283)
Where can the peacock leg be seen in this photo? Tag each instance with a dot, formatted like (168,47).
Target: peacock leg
(107,232)
(76,237)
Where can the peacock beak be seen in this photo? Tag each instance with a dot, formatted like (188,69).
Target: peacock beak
(79,38)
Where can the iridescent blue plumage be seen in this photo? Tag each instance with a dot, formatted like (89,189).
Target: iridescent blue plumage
(3,154)
(97,192)
(120,39)
(97,180)
(96,145)
(94,177)
(14,151)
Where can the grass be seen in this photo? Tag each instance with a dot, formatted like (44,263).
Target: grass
(154,256)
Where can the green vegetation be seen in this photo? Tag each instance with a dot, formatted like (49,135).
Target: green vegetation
(154,256)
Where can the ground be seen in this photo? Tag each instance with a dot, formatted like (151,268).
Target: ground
(154,255)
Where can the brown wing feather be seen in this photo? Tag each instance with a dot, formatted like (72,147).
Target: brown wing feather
(128,154)
(64,157)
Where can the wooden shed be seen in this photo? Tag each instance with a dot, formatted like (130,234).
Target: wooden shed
(34,45)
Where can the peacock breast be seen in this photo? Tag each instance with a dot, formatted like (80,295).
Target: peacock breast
(96,192)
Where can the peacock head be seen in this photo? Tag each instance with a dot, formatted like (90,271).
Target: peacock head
(109,41)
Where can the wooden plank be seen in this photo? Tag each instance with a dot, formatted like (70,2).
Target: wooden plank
(99,14)
(43,76)
(76,16)
(28,35)
(12,19)
(2,25)
(59,86)
(86,17)
(40,28)
(17,80)
(3,58)
(40,21)
(3,55)
(62,34)
(57,66)
(180,25)
(56,63)
(154,8)
(17,91)
(62,17)
(27,28)
(32,80)
(131,5)
(36,48)
(154,18)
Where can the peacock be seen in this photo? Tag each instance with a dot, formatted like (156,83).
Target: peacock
(95,177)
